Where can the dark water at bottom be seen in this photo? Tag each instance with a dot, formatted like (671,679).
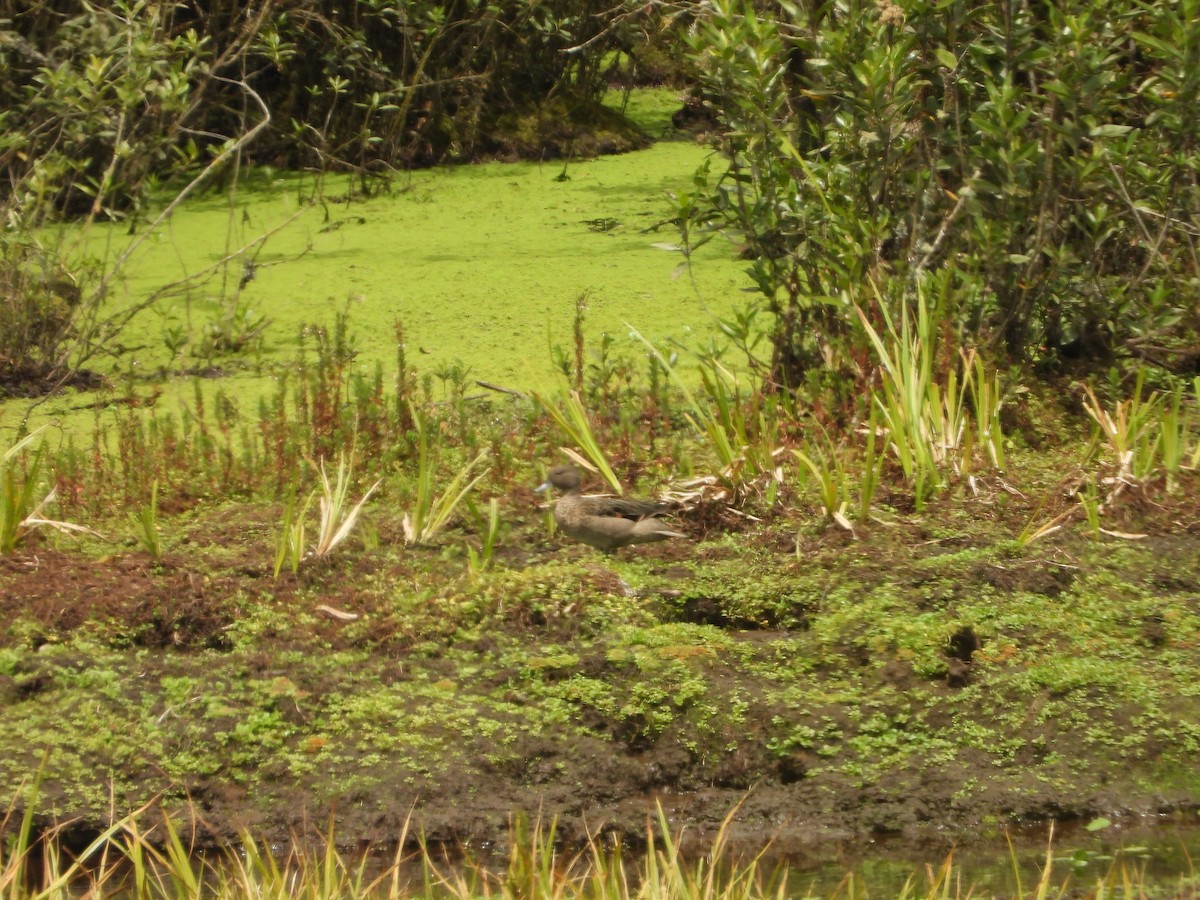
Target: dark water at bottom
(1161,854)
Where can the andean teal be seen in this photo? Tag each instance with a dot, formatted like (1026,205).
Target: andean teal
(605,523)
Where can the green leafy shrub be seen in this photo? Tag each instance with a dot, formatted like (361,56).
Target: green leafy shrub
(92,113)
(38,302)
(1044,155)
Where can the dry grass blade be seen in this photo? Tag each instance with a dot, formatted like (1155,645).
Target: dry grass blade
(340,614)
(1115,431)
(20,445)
(20,513)
(432,514)
(35,519)
(336,521)
(1133,432)
(580,460)
(1031,533)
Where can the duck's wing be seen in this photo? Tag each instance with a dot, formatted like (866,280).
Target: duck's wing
(626,509)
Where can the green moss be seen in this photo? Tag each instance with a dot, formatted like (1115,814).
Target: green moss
(564,127)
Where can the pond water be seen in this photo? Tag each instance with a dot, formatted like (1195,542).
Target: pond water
(1148,858)
(1164,850)
(1156,854)
(482,264)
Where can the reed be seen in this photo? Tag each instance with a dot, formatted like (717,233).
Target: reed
(337,517)
(144,855)
(145,525)
(576,424)
(21,510)
(432,511)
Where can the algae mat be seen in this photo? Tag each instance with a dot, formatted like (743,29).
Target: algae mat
(482,264)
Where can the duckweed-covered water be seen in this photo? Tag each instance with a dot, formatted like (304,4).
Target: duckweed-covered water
(481,264)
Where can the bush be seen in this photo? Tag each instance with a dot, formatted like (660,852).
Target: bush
(1044,155)
(103,103)
(38,300)
(356,86)
(92,115)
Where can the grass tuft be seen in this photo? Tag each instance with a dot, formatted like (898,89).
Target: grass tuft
(337,521)
(432,511)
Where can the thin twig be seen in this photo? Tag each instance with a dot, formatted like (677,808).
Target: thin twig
(503,390)
(964,193)
(187,189)
(116,267)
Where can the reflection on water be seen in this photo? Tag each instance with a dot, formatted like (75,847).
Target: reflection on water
(1161,856)
(1166,851)
(1157,854)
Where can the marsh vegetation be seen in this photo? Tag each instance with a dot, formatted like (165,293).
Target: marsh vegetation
(905,337)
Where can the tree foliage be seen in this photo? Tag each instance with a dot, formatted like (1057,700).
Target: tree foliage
(1041,158)
(103,102)
(349,84)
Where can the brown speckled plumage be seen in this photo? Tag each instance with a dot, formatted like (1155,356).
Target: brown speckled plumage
(605,523)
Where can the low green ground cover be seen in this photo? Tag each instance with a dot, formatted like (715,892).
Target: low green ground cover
(960,665)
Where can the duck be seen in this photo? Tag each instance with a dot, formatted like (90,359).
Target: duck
(606,523)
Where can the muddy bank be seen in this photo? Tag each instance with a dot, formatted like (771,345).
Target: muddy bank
(912,681)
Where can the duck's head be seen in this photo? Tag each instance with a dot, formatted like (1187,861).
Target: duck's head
(564,478)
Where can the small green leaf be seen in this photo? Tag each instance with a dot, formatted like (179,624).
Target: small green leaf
(1103,131)
(946,58)
(1098,824)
